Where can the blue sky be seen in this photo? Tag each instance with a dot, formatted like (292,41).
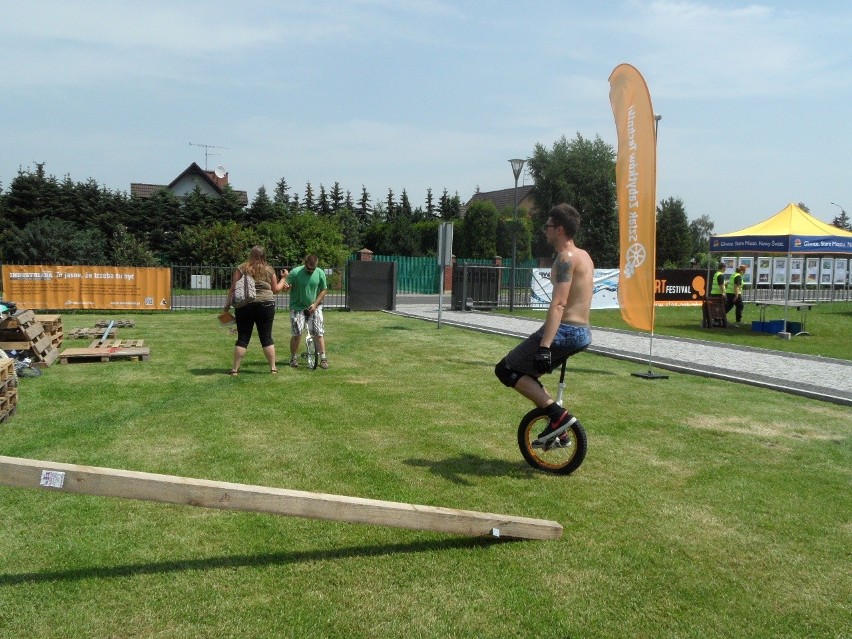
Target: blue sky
(755,98)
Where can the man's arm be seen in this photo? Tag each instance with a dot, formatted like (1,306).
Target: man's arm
(561,276)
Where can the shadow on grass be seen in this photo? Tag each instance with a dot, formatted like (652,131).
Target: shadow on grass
(225,372)
(455,468)
(244,561)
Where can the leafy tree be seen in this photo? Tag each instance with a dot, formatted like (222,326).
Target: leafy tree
(507,226)
(156,221)
(127,250)
(317,235)
(700,230)
(261,209)
(218,243)
(308,201)
(405,206)
(282,249)
(53,241)
(430,204)
(427,234)
(479,239)
(582,173)
(364,210)
(450,207)
(336,197)
(323,206)
(373,237)
(390,207)
(350,228)
(400,238)
(281,196)
(842,221)
(674,240)
(31,196)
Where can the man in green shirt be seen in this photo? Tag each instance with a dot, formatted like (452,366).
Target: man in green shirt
(308,290)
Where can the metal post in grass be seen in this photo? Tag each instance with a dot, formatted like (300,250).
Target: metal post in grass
(517,165)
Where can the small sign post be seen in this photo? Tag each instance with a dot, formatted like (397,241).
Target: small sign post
(445,258)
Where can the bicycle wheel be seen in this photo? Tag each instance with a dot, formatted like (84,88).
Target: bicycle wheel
(311,347)
(27,370)
(560,458)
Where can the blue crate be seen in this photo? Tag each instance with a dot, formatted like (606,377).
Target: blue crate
(757,327)
(773,326)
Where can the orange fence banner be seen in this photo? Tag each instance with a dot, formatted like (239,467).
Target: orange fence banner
(636,183)
(88,287)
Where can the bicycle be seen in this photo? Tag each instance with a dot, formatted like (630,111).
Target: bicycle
(24,366)
(560,455)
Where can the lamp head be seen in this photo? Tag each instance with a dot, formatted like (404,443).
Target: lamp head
(517,165)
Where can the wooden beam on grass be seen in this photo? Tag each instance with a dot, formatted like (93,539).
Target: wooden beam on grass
(109,482)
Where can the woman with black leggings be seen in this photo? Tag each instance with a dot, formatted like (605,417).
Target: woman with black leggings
(261,311)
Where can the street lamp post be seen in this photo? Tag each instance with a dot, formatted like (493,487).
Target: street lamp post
(517,165)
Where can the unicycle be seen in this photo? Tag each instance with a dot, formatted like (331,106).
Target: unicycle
(310,353)
(561,455)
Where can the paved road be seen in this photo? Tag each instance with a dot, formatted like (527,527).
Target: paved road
(821,378)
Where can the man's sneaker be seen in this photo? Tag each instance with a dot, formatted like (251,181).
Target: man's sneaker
(323,363)
(294,363)
(556,428)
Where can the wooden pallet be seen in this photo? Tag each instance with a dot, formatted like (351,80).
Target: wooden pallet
(45,358)
(40,344)
(107,351)
(117,343)
(23,332)
(7,369)
(19,320)
(8,404)
(117,323)
(53,327)
(7,415)
(89,333)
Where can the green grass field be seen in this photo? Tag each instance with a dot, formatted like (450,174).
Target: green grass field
(686,519)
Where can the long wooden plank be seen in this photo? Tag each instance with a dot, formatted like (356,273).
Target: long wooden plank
(108,482)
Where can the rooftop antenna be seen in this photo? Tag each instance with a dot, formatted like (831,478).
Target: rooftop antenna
(207,152)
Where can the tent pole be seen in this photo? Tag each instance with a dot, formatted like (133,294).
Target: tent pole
(787,284)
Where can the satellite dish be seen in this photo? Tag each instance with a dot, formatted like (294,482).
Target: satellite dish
(219,171)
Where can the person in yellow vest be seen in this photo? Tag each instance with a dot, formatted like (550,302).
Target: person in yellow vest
(734,293)
(717,286)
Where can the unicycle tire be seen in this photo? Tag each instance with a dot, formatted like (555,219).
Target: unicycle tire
(311,346)
(561,459)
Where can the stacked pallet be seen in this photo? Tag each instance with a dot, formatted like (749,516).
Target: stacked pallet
(23,332)
(89,333)
(53,327)
(8,389)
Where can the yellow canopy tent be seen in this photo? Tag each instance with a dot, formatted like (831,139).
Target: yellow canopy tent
(789,231)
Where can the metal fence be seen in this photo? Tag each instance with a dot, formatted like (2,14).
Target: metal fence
(199,286)
(196,286)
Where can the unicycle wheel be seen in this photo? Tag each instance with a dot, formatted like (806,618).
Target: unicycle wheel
(311,354)
(561,457)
